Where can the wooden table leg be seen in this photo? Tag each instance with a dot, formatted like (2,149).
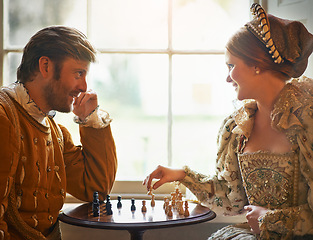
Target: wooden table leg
(136,234)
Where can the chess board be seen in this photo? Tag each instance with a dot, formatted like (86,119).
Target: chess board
(83,214)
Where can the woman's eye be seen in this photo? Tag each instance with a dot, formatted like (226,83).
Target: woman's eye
(230,66)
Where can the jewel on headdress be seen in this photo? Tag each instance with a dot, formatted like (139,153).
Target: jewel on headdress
(263,31)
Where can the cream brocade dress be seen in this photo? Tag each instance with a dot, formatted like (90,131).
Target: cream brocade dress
(279,182)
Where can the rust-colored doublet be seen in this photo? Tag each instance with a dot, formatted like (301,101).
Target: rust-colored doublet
(48,166)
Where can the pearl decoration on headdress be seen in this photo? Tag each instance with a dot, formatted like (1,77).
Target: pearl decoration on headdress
(263,31)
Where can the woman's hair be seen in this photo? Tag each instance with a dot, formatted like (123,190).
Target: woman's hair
(56,43)
(244,45)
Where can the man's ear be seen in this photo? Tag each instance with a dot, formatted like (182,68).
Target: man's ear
(45,66)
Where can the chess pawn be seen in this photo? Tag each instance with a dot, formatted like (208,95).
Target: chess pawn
(133,207)
(119,203)
(153,201)
(166,207)
(108,206)
(165,200)
(186,213)
(143,208)
(169,211)
(180,208)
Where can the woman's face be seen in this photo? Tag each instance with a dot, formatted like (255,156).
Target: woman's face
(241,76)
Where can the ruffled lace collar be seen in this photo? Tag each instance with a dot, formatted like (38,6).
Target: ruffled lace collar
(244,118)
(287,110)
(20,94)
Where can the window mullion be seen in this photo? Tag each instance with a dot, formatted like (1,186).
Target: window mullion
(170,84)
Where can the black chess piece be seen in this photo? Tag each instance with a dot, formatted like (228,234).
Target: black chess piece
(119,203)
(133,207)
(96,205)
(108,206)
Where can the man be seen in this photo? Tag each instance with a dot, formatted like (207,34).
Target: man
(39,162)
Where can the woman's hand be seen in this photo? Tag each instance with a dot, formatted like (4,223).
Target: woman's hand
(165,175)
(254,212)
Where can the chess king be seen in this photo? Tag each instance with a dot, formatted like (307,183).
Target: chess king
(39,161)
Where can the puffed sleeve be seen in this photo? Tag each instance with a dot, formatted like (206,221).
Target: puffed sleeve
(224,189)
(92,166)
(8,162)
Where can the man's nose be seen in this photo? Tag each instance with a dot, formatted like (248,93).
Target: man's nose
(83,84)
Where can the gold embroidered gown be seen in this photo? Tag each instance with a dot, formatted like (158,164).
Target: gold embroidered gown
(279,182)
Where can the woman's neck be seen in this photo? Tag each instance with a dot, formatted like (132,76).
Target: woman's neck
(268,94)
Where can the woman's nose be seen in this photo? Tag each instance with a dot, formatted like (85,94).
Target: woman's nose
(229,79)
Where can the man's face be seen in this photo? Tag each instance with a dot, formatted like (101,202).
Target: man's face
(60,93)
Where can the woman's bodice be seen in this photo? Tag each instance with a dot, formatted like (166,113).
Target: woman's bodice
(270,180)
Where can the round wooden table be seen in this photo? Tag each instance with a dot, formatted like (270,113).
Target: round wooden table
(135,222)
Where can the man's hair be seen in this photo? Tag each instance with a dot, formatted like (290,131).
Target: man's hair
(56,43)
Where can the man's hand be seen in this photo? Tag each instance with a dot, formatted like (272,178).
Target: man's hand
(84,104)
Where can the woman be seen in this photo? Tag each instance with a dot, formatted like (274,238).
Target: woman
(264,163)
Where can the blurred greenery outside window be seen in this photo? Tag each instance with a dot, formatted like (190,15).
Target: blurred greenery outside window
(160,71)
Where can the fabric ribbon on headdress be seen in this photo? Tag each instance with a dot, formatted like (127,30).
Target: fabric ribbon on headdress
(290,39)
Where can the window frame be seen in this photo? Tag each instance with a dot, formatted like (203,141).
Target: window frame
(128,188)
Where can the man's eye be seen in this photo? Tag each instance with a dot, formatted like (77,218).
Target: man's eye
(79,74)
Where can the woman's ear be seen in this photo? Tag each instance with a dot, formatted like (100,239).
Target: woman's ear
(45,66)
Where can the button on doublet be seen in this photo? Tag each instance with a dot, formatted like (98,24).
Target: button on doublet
(23,159)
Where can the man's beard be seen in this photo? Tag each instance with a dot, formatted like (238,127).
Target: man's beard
(56,97)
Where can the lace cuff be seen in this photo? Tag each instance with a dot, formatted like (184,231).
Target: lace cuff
(97,119)
(278,223)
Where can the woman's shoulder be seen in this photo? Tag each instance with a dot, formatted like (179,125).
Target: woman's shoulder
(294,104)
(304,84)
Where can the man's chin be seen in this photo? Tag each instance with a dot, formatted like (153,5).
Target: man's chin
(65,109)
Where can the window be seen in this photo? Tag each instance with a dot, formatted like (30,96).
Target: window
(160,71)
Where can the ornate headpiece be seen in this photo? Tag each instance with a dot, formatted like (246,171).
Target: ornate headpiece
(260,27)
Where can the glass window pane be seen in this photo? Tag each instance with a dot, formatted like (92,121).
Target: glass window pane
(13,61)
(207,24)
(27,17)
(201,99)
(129,23)
(134,89)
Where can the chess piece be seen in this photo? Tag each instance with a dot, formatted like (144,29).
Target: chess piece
(169,211)
(150,191)
(167,203)
(119,203)
(96,205)
(186,213)
(108,206)
(133,207)
(180,208)
(144,208)
(152,201)
(165,200)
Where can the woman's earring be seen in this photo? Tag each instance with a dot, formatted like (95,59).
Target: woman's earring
(257,71)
